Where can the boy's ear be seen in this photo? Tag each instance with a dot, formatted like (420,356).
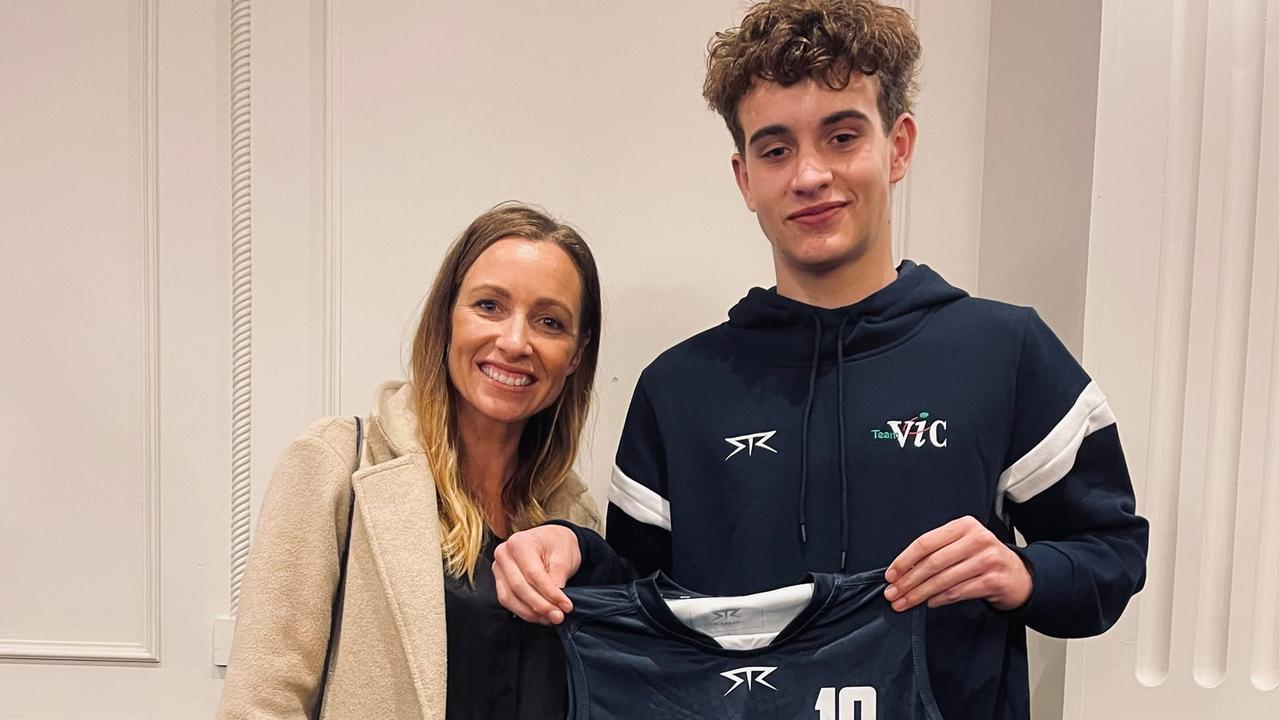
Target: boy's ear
(743,179)
(902,140)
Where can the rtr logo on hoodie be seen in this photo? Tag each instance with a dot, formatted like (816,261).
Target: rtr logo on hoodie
(750,443)
(918,431)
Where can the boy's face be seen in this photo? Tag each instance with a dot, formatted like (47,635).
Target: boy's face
(817,168)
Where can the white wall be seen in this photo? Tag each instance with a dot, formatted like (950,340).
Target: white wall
(945,190)
(114,399)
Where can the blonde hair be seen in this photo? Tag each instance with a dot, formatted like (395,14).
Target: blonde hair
(549,443)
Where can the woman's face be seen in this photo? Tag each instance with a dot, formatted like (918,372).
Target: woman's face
(515,331)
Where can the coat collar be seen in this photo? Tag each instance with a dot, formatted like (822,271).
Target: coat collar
(393,424)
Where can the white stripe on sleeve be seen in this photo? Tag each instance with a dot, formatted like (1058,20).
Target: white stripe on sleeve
(1054,456)
(638,501)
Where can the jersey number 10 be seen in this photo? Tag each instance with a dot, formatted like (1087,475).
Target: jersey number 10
(854,703)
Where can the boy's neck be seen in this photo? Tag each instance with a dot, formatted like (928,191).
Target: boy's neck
(844,285)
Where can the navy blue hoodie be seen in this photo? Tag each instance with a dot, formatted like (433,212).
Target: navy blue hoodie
(795,439)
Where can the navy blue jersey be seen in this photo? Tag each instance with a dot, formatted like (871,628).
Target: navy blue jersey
(829,649)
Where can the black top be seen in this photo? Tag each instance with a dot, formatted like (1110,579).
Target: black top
(498,665)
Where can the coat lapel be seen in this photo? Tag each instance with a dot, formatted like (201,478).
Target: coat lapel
(396,502)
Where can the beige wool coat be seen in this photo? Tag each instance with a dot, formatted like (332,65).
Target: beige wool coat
(389,659)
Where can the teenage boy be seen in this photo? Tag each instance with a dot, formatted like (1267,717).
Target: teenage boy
(859,415)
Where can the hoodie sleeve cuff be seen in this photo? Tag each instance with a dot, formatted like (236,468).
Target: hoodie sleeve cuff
(1051,572)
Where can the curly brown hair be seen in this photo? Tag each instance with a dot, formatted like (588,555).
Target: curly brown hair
(786,41)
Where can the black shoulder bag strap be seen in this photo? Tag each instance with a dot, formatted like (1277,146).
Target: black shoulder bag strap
(335,615)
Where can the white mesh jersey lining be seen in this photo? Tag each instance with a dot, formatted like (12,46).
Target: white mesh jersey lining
(743,622)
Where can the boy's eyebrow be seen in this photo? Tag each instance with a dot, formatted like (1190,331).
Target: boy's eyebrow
(768,131)
(832,119)
(842,115)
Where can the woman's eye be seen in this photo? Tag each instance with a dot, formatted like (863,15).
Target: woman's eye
(553,324)
(487,306)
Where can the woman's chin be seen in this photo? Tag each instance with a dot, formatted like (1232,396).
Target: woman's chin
(506,412)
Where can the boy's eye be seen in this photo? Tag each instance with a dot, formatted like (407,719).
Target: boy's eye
(774,152)
(844,138)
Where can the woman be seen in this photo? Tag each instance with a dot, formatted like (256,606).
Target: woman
(479,444)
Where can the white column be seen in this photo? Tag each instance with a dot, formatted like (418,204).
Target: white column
(1180,330)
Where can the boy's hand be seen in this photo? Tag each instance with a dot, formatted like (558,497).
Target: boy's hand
(961,560)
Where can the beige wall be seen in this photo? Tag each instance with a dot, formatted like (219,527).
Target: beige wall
(1041,103)
(1036,200)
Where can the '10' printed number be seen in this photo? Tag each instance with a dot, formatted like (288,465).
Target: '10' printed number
(852,703)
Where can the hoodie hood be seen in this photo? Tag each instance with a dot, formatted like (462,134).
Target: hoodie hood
(782,330)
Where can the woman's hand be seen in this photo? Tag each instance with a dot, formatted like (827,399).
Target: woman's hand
(531,567)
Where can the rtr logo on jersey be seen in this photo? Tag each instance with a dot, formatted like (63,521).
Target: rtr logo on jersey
(750,676)
(750,442)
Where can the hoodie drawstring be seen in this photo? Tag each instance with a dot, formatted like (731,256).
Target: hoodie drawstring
(808,412)
(843,453)
(843,460)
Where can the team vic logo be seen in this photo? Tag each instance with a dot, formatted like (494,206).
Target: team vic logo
(918,431)
(750,443)
(750,676)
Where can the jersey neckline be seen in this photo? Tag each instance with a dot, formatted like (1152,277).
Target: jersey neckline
(648,595)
